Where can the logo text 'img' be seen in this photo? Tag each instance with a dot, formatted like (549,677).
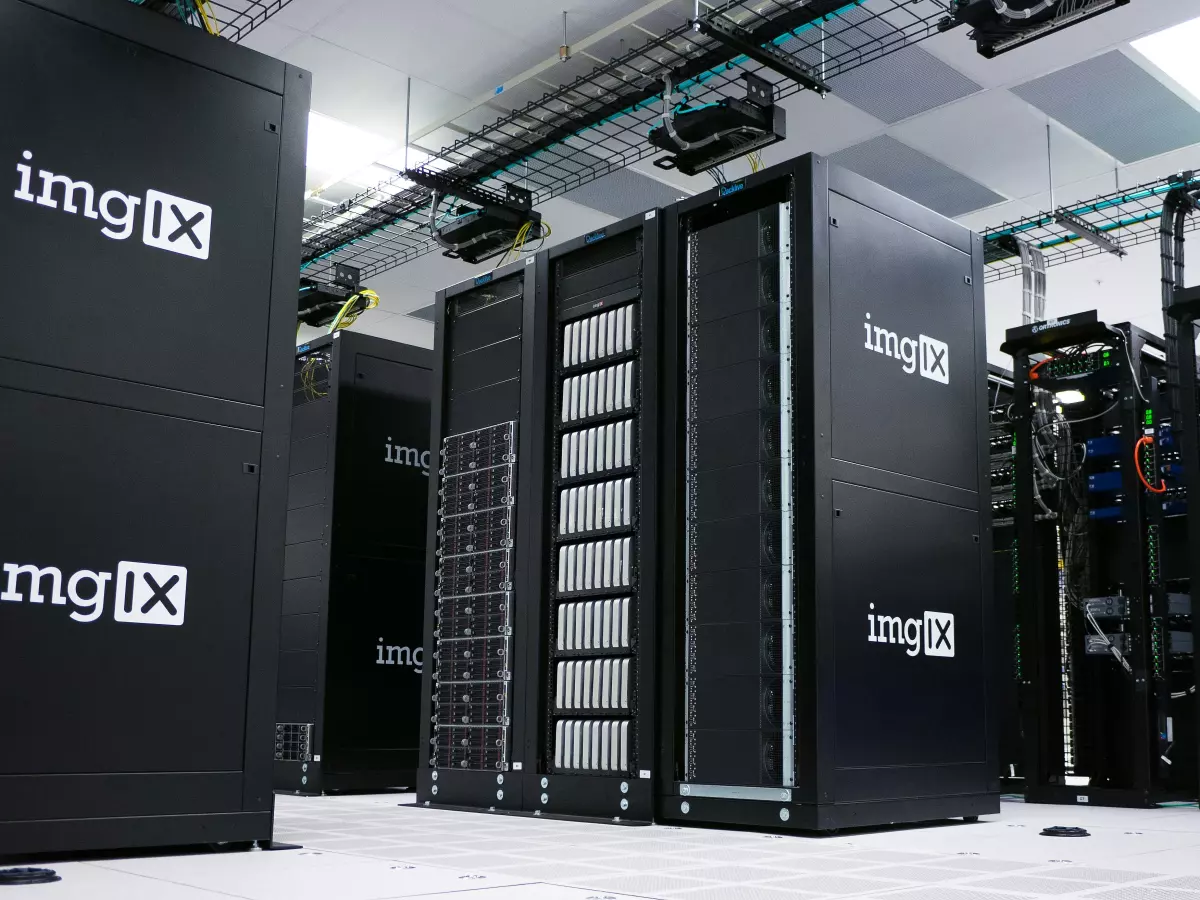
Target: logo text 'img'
(169,222)
(932,355)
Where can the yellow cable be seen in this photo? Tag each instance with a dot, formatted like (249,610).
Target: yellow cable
(209,17)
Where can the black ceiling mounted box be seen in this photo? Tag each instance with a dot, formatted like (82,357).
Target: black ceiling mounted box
(151,214)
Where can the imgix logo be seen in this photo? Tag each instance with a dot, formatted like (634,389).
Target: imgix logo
(932,355)
(171,223)
(934,633)
(407,456)
(400,656)
(145,593)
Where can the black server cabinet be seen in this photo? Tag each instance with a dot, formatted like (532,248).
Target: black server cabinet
(1103,590)
(485,495)
(592,648)
(827,638)
(1002,466)
(146,386)
(351,642)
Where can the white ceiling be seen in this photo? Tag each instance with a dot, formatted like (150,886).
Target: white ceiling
(363,52)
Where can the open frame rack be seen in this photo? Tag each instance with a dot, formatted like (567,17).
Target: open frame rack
(1126,218)
(599,122)
(1103,575)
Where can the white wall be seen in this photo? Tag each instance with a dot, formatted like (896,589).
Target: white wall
(1120,289)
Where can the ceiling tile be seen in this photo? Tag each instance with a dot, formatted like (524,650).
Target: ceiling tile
(305,15)
(902,84)
(623,193)
(363,92)
(271,38)
(1117,105)
(816,125)
(999,140)
(447,48)
(906,171)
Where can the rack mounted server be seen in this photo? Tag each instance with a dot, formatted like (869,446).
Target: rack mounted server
(827,636)
(139,622)
(351,639)
(542,693)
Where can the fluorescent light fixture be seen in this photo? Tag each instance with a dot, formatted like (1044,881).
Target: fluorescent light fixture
(337,149)
(1066,398)
(1174,51)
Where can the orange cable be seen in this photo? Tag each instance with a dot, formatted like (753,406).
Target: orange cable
(1146,439)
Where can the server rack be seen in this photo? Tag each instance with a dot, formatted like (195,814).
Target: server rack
(351,642)
(824,488)
(1006,573)
(484,507)
(1186,309)
(1106,637)
(593,642)
(149,380)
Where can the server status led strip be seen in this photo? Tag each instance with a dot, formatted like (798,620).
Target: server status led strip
(473,637)
(596,489)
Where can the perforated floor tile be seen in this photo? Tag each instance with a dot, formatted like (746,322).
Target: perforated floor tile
(952,893)
(739,892)
(734,874)
(835,884)
(1185,883)
(982,864)
(1089,873)
(887,855)
(652,885)
(1032,884)
(919,874)
(1137,892)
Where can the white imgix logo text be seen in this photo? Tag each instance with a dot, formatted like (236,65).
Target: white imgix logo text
(145,593)
(935,632)
(400,656)
(171,223)
(933,356)
(407,456)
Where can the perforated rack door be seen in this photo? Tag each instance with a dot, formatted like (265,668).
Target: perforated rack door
(739,695)
(473,638)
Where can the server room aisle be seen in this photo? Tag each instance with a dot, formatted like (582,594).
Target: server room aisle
(371,848)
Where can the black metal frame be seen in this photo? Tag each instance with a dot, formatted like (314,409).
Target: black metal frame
(598,123)
(321,774)
(1186,309)
(813,803)
(253,818)
(1041,691)
(500,791)
(626,797)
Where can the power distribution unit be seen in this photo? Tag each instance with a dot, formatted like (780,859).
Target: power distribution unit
(543,584)
(827,637)
(155,210)
(350,654)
